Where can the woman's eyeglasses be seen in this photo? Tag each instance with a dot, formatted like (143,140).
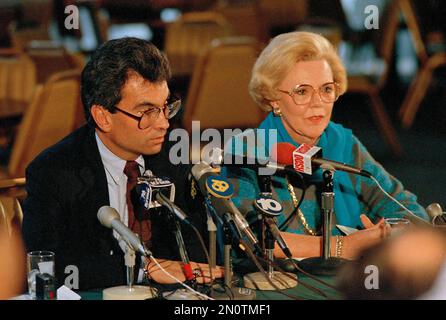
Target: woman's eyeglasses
(302,94)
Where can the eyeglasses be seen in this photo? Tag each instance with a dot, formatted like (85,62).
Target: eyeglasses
(148,118)
(302,94)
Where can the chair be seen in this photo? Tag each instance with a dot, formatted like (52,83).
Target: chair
(36,15)
(17,78)
(17,85)
(283,15)
(218,95)
(189,35)
(11,214)
(371,82)
(50,57)
(246,18)
(53,114)
(428,64)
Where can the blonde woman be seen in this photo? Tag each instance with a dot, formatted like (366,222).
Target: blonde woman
(297,79)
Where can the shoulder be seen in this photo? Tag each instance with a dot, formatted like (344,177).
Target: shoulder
(64,153)
(336,130)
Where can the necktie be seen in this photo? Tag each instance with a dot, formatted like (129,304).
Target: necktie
(139,226)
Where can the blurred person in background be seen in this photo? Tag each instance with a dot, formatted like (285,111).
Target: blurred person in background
(12,265)
(409,266)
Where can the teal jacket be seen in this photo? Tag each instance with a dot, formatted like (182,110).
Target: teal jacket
(354,194)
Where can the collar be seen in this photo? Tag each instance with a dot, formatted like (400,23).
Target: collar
(113,164)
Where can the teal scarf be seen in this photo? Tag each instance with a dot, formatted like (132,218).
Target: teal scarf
(336,143)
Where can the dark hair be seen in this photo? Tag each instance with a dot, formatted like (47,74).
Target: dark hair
(108,69)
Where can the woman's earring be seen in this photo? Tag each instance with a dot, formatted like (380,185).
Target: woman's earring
(277,112)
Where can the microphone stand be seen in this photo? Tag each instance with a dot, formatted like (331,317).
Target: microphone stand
(280,281)
(325,265)
(256,280)
(182,294)
(228,292)
(130,291)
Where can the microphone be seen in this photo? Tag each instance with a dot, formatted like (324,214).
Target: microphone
(152,193)
(435,212)
(276,234)
(163,200)
(264,166)
(221,190)
(149,185)
(305,157)
(109,218)
(271,208)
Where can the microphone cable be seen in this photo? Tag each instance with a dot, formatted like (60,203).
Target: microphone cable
(413,215)
(301,199)
(179,281)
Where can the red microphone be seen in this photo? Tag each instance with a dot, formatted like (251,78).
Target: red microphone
(305,157)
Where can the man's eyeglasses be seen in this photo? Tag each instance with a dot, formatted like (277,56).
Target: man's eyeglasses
(302,94)
(148,118)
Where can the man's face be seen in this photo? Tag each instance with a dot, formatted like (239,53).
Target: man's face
(125,139)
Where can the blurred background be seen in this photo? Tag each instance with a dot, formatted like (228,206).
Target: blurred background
(394,51)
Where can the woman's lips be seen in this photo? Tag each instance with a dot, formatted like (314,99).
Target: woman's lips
(315,119)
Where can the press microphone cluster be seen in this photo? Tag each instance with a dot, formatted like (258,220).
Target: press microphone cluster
(109,218)
(221,191)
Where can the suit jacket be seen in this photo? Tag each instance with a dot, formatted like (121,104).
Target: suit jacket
(66,186)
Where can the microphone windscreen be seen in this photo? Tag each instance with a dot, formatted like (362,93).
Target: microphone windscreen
(106,215)
(283,153)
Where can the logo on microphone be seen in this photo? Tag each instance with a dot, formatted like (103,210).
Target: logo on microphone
(302,158)
(219,187)
(269,206)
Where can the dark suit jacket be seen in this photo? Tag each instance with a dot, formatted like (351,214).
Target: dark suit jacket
(66,186)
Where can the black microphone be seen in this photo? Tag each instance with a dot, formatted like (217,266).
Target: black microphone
(303,158)
(221,190)
(110,218)
(270,208)
(152,193)
(163,200)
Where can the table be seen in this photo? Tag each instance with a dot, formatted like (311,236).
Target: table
(299,291)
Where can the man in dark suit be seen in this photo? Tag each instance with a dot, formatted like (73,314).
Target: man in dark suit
(127,104)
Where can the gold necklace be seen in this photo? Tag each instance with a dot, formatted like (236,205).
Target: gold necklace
(299,212)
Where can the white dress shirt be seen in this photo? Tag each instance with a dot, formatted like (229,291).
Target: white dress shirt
(116,179)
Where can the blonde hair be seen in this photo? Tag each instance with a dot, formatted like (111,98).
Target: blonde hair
(280,56)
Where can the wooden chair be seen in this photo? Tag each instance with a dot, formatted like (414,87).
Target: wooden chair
(50,57)
(189,35)
(218,95)
(53,114)
(428,64)
(17,78)
(283,15)
(11,214)
(17,86)
(246,18)
(372,84)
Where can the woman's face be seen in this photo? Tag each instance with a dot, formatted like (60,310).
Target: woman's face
(306,122)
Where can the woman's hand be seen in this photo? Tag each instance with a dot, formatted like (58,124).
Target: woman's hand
(201,271)
(373,234)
